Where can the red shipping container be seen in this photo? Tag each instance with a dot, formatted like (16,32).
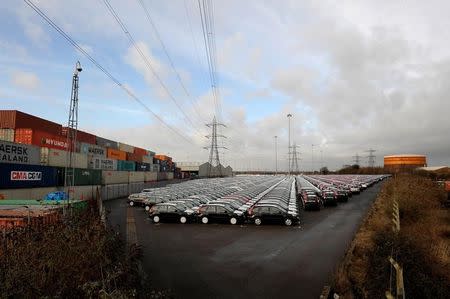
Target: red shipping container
(140,151)
(134,157)
(447,186)
(13,119)
(39,138)
(81,136)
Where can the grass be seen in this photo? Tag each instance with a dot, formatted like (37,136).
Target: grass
(422,247)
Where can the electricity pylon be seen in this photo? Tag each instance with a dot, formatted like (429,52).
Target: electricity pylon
(294,160)
(371,156)
(214,159)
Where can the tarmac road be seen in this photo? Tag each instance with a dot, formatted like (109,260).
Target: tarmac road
(246,261)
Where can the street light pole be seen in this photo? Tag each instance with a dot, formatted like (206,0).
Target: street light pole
(276,155)
(289,116)
(321,158)
(312,158)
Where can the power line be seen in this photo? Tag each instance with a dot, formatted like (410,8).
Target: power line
(150,20)
(101,68)
(194,40)
(206,18)
(146,61)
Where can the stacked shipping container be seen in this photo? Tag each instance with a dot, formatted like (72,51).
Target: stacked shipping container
(36,150)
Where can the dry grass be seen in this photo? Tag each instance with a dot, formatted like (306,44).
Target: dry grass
(423,245)
(78,258)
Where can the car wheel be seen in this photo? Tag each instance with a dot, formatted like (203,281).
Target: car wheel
(258,221)
(288,222)
(131,203)
(233,220)
(205,220)
(183,219)
(156,219)
(147,208)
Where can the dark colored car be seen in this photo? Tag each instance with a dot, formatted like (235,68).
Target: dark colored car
(137,199)
(342,195)
(220,213)
(171,212)
(271,214)
(329,198)
(311,202)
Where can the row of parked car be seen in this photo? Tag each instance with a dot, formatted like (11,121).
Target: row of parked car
(242,199)
(319,190)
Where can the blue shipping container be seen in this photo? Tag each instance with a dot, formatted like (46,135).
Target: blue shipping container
(26,176)
(126,165)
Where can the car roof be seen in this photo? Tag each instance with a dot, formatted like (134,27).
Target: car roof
(266,205)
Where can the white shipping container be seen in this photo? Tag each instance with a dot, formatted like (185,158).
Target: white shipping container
(150,176)
(95,162)
(155,168)
(58,158)
(26,193)
(91,149)
(7,135)
(126,148)
(86,192)
(114,177)
(146,159)
(136,176)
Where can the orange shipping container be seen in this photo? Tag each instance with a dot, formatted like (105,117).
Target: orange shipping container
(163,157)
(116,154)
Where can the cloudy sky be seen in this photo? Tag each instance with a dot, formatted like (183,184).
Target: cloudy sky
(354,74)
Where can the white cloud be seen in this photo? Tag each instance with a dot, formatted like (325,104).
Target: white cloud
(355,75)
(25,80)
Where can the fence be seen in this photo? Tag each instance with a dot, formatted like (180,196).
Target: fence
(399,285)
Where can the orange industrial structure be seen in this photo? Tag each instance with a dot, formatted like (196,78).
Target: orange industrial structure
(404,162)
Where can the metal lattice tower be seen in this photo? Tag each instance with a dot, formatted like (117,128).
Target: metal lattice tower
(294,160)
(356,159)
(72,127)
(289,116)
(214,160)
(371,157)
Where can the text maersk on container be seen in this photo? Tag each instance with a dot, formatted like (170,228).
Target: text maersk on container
(13,153)
(26,176)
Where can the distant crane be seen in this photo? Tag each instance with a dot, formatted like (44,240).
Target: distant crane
(371,157)
(72,127)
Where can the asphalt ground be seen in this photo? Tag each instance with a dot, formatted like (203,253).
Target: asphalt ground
(245,261)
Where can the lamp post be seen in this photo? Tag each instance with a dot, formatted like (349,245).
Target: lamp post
(276,154)
(289,116)
(312,158)
(321,158)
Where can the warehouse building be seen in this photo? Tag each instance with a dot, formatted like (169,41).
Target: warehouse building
(436,169)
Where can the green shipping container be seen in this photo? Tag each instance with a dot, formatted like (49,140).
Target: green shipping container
(126,165)
(87,176)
